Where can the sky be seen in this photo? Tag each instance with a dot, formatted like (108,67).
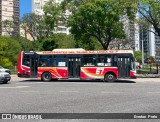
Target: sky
(25,7)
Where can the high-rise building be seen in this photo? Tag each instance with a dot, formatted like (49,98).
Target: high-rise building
(9,10)
(151,42)
(37,8)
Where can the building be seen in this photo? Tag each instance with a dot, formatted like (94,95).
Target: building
(9,11)
(131,41)
(151,42)
(37,8)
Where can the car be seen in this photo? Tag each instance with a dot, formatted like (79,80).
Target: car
(2,69)
(4,77)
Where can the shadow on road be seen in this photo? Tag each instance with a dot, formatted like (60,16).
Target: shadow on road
(79,81)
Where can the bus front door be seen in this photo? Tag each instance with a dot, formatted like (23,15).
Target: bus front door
(123,64)
(33,66)
(74,64)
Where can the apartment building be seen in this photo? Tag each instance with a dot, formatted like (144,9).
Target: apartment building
(37,8)
(9,10)
(151,42)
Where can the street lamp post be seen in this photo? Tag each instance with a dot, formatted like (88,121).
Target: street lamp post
(142,50)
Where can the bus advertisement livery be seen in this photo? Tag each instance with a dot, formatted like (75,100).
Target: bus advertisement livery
(107,65)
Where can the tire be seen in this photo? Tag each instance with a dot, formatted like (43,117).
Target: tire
(5,82)
(46,76)
(109,77)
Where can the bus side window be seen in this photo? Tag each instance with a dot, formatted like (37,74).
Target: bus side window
(108,61)
(89,60)
(42,63)
(100,62)
(60,62)
(45,61)
(104,60)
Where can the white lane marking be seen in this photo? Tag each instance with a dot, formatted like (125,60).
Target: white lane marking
(154,92)
(104,92)
(69,91)
(29,91)
(13,87)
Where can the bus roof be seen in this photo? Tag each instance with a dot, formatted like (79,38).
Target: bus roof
(82,51)
(71,49)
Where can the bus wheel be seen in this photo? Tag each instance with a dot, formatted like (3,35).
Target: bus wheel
(46,76)
(109,77)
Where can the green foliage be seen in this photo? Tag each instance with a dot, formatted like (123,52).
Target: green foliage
(9,49)
(88,44)
(48,44)
(138,56)
(35,26)
(64,41)
(150,13)
(26,45)
(5,62)
(58,41)
(51,13)
(11,27)
(99,19)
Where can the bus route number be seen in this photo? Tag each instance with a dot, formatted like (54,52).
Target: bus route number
(99,70)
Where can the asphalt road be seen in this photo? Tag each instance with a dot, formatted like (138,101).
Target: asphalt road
(124,96)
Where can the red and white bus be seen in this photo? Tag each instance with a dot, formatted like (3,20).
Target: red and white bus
(107,65)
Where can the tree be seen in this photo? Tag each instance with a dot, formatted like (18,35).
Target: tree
(138,56)
(88,44)
(9,49)
(58,41)
(11,27)
(150,14)
(48,44)
(35,25)
(99,19)
(26,45)
(52,13)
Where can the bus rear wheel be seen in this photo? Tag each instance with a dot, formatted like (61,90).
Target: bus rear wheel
(109,77)
(46,76)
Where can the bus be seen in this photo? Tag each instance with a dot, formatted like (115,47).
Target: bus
(107,65)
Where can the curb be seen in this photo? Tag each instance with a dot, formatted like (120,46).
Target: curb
(14,76)
(148,75)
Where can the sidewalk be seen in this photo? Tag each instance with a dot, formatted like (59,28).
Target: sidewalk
(14,76)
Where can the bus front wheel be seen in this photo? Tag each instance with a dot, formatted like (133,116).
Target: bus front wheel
(46,76)
(109,77)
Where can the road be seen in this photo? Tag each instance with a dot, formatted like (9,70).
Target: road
(124,96)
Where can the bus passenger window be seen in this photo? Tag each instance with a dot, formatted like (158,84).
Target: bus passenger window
(89,60)
(100,62)
(42,64)
(108,63)
(60,62)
